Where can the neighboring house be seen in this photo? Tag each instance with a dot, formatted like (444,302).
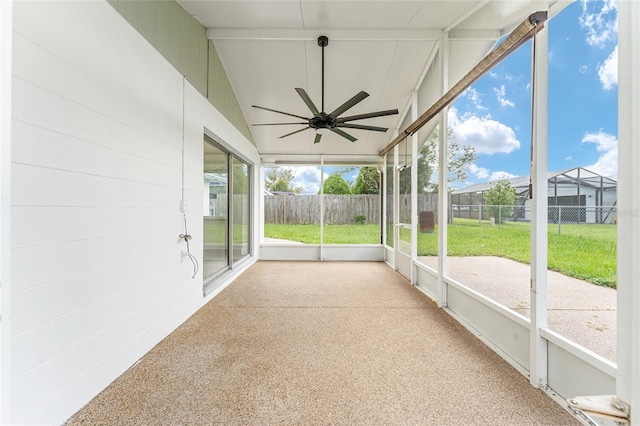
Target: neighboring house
(594,195)
(215,184)
(280,193)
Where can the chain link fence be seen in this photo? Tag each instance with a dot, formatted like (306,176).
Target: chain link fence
(587,220)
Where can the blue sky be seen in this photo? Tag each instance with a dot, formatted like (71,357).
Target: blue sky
(494,115)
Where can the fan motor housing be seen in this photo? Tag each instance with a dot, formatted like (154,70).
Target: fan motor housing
(322,120)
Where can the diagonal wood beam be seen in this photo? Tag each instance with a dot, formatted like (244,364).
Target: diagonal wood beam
(520,35)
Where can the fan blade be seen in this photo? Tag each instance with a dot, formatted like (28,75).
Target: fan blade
(362,127)
(344,134)
(350,103)
(367,115)
(275,124)
(293,133)
(307,100)
(280,112)
(318,137)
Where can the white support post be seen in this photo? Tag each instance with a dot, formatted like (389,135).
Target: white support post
(628,359)
(396,205)
(414,191)
(260,198)
(383,200)
(443,166)
(321,207)
(538,345)
(6,21)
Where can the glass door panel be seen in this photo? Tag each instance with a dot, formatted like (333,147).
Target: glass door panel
(216,235)
(240,196)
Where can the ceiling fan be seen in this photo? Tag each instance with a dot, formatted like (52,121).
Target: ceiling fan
(324,123)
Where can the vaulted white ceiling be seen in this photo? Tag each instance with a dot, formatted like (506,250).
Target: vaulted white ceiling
(268,48)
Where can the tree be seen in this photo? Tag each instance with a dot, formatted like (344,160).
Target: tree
(500,198)
(280,180)
(240,179)
(459,159)
(368,181)
(335,184)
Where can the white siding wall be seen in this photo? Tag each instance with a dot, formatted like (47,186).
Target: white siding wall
(6,14)
(97,179)
(572,191)
(609,198)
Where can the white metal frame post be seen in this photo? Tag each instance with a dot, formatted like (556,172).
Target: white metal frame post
(443,166)
(6,15)
(414,191)
(383,201)
(396,207)
(260,199)
(628,379)
(321,207)
(539,248)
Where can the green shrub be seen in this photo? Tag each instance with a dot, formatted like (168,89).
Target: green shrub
(499,198)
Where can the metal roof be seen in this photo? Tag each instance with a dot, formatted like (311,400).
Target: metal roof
(568,176)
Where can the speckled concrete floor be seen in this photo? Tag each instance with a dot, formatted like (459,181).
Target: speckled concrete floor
(321,343)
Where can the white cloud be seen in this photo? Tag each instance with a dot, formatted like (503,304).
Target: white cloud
(608,71)
(479,172)
(601,23)
(603,140)
(568,158)
(501,175)
(475,97)
(485,135)
(583,69)
(486,174)
(607,164)
(501,95)
(307,177)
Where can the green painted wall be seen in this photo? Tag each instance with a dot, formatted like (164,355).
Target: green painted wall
(182,40)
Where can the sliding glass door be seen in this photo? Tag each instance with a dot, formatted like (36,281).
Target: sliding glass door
(227,210)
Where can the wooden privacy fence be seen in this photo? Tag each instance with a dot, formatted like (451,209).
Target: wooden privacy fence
(338,209)
(426,203)
(305,209)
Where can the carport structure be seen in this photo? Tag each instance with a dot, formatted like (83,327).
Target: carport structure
(110,109)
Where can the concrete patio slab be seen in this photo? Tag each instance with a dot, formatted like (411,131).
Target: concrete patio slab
(319,343)
(578,310)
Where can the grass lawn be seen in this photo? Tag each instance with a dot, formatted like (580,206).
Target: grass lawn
(586,252)
(215,232)
(333,234)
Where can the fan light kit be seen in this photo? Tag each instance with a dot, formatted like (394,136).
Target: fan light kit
(324,123)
